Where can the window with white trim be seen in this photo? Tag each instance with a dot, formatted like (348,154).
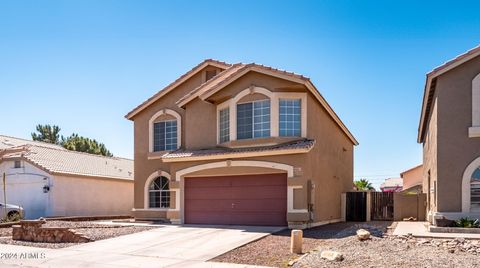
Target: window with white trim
(224,125)
(475,191)
(159,193)
(290,121)
(165,135)
(253,119)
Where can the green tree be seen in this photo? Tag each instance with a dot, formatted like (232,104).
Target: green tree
(47,133)
(83,144)
(51,134)
(363,185)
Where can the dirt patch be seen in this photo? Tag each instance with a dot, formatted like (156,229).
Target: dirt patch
(382,250)
(274,250)
(389,252)
(90,229)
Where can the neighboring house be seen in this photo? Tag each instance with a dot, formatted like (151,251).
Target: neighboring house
(413,180)
(48,180)
(240,144)
(392,185)
(449,130)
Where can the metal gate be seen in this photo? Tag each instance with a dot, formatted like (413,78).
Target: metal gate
(356,206)
(382,206)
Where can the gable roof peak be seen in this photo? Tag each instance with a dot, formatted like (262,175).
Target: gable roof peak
(177,82)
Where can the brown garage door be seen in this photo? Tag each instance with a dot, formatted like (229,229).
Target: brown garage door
(239,200)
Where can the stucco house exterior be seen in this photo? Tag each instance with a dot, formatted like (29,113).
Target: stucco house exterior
(240,144)
(413,180)
(50,181)
(449,131)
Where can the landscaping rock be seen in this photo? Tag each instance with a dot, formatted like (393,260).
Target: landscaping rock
(363,235)
(331,255)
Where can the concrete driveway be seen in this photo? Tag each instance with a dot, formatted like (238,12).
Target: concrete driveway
(167,246)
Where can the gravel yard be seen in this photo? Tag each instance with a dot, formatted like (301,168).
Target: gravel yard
(91,229)
(382,250)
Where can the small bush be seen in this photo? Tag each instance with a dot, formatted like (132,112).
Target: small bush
(467,223)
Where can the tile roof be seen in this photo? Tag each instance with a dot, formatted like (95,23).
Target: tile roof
(56,159)
(7,142)
(392,182)
(228,74)
(304,144)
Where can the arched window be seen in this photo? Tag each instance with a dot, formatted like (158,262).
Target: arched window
(159,193)
(165,131)
(475,191)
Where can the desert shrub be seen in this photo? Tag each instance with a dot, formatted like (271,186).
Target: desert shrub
(467,223)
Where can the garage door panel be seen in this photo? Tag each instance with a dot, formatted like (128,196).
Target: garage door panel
(238,200)
(219,193)
(210,205)
(259,205)
(207,217)
(259,192)
(206,182)
(258,180)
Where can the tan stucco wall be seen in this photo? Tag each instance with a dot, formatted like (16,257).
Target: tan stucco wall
(448,149)
(89,196)
(143,167)
(329,164)
(456,150)
(406,206)
(430,158)
(412,177)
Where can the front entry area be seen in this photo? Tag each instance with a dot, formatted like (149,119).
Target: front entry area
(237,200)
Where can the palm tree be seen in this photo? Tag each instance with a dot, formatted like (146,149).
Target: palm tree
(363,185)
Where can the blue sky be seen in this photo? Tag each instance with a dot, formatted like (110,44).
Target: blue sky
(84,64)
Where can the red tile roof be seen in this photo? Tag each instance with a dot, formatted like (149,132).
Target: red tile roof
(304,144)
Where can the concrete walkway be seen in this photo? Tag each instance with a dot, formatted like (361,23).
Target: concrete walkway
(419,229)
(167,246)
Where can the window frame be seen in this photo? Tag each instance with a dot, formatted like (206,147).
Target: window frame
(254,116)
(165,139)
(286,121)
(153,120)
(162,193)
(225,128)
(15,162)
(274,110)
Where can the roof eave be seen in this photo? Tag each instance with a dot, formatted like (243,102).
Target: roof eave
(236,155)
(173,85)
(437,71)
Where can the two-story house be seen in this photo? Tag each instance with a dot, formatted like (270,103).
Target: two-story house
(240,144)
(449,130)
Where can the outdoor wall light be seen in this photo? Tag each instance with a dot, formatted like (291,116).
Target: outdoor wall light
(46,189)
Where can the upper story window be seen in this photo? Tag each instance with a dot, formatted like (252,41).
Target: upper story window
(290,122)
(224,125)
(165,131)
(253,119)
(165,135)
(17,164)
(257,112)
